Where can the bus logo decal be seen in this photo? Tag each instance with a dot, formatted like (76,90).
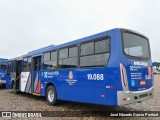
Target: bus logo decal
(149,71)
(50,74)
(70,81)
(70,75)
(45,74)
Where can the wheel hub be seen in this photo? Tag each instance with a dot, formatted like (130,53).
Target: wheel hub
(50,95)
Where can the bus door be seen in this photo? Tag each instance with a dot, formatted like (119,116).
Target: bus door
(36,67)
(18,74)
(13,73)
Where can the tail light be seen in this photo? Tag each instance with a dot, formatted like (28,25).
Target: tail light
(149,71)
(124,77)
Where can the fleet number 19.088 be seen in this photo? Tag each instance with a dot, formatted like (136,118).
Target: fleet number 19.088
(95,76)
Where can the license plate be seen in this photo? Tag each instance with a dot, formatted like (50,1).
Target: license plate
(142,82)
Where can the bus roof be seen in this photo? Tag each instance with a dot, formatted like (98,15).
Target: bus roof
(3,59)
(54,47)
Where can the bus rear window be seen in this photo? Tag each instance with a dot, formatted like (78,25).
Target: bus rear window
(135,45)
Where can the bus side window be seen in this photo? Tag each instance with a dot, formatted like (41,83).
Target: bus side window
(68,58)
(54,59)
(14,66)
(87,48)
(50,60)
(95,54)
(47,61)
(102,46)
(63,55)
(29,64)
(3,67)
(25,60)
(9,67)
(37,63)
(73,57)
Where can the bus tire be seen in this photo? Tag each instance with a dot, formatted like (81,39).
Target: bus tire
(51,96)
(14,88)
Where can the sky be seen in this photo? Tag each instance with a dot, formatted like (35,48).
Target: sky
(26,25)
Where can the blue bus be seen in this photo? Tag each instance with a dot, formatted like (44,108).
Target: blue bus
(3,70)
(109,68)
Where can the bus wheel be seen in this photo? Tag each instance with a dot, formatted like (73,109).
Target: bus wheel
(14,88)
(51,96)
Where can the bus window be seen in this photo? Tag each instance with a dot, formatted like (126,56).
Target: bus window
(29,64)
(54,59)
(14,66)
(37,63)
(73,52)
(47,56)
(3,67)
(73,57)
(102,46)
(47,64)
(87,48)
(29,59)
(9,67)
(95,56)
(135,45)
(68,60)
(26,64)
(25,60)
(63,53)
(50,61)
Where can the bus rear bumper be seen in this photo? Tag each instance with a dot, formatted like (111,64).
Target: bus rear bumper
(128,97)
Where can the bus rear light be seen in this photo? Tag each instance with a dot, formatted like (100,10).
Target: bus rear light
(124,99)
(123,77)
(149,71)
